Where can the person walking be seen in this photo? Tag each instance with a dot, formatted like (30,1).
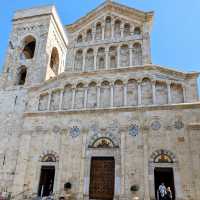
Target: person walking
(162,191)
(169,194)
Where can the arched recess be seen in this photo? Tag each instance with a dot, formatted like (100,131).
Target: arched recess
(161,93)
(80,38)
(117,29)
(105,94)
(108,28)
(113,57)
(137,31)
(47,174)
(29,44)
(67,97)
(124,56)
(146,92)
(132,93)
(79,96)
(92,95)
(21,76)
(163,168)
(127,30)
(54,61)
(177,93)
(43,102)
(55,100)
(118,93)
(101,57)
(89,62)
(98,35)
(78,64)
(137,54)
(89,35)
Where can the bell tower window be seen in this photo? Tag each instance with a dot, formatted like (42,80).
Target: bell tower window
(29,47)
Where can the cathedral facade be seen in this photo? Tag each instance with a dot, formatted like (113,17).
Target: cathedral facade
(86,115)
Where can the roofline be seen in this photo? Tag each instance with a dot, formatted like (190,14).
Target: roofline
(102,5)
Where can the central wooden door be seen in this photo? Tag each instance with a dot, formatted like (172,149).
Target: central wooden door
(102,178)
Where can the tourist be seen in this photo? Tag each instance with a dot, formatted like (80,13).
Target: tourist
(162,191)
(169,194)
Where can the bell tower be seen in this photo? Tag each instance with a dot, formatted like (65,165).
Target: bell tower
(37,47)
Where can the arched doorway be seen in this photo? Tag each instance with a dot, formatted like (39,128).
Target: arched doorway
(162,167)
(102,179)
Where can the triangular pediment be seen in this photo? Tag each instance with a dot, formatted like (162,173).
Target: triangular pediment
(110,7)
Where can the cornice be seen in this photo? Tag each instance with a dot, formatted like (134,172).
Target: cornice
(173,107)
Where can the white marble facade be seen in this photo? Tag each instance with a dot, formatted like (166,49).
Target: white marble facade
(72,93)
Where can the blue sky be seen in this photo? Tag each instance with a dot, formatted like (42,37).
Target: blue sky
(175,34)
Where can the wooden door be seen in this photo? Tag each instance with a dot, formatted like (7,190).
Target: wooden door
(102,178)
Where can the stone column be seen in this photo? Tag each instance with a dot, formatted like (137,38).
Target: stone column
(61,99)
(95,59)
(169,92)
(98,95)
(184,93)
(49,101)
(103,32)
(85,97)
(112,30)
(139,93)
(73,97)
(84,56)
(107,57)
(125,94)
(73,60)
(154,91)
(111,94)
(130,55)
(121,30)
(118,56)
(93,33)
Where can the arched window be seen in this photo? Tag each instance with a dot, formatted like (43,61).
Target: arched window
(127,31)
(161,93)
(177,93)
(124,56)
(101,58)
(78,60)
(147,96)
(137,31)
(137,54)
(118,93)
(117,29)
(29,47)
(108,28)
(113,57)
(55,100)
(98,35)
(43,102)
(80,39)
(89,63)
(89,35)
(22,75)
(132,93)
(54,61)
(105,94)
(80,96)
(67,97)
(92,95)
